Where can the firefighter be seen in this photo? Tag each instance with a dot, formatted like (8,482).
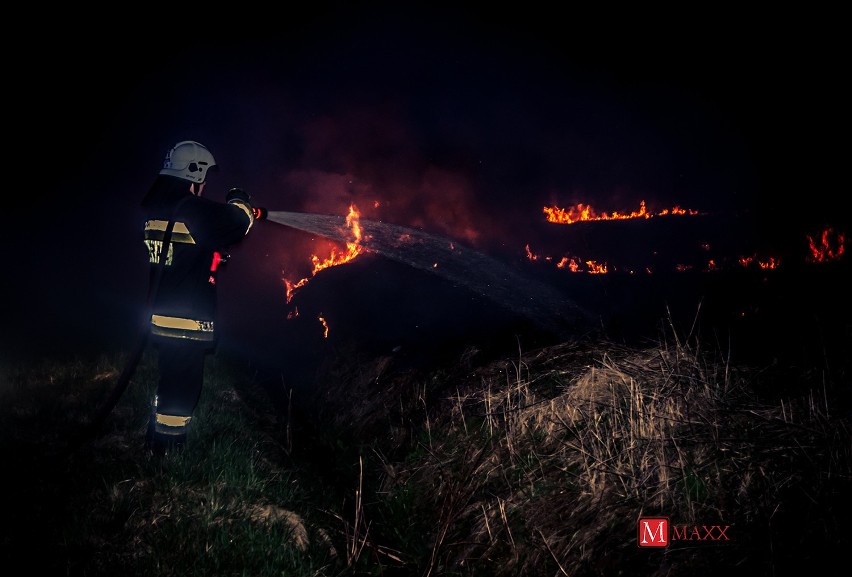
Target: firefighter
(185,234)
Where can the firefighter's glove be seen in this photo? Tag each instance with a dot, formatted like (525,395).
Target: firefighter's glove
(238,194)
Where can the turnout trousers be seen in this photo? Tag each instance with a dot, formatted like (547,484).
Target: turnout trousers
(181,375)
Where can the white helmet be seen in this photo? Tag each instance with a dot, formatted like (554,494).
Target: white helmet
(188,160)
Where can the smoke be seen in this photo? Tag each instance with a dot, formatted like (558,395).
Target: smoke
(374,158)
(475,168)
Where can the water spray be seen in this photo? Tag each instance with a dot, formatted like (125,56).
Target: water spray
(461,265)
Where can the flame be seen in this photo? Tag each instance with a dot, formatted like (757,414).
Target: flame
(766,263)
(596,268)
(584,212)
(353,249)
(321,319)
(830,247)
(573,264)
(827,246)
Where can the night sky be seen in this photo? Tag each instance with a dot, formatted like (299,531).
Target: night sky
(460,123)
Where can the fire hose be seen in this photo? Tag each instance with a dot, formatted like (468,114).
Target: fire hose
(89,431)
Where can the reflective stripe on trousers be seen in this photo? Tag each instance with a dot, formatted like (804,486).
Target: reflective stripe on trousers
(181,328)
(170,424)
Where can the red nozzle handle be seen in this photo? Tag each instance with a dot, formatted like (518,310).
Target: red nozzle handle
(259,213)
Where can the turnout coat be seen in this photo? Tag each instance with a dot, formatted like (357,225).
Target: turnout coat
(183,274)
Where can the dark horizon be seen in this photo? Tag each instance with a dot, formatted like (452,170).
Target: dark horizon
(462,124)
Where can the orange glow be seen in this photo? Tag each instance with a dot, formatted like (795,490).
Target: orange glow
(596,268)
(574,264)
(830,247)
(765,263)
(584,212)
(353,249)
(324,325)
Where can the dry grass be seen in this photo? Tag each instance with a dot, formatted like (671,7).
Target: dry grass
(543,464)
(536,464)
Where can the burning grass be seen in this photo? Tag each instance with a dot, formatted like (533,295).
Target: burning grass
(540,464)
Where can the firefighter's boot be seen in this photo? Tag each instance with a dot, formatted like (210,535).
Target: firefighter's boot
(164,439)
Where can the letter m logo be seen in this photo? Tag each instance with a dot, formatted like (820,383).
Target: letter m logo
(653,531)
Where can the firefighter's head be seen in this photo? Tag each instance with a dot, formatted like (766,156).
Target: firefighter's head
(188,160)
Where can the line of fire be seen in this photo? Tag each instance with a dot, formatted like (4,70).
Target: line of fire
(824,246)
(336,258)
